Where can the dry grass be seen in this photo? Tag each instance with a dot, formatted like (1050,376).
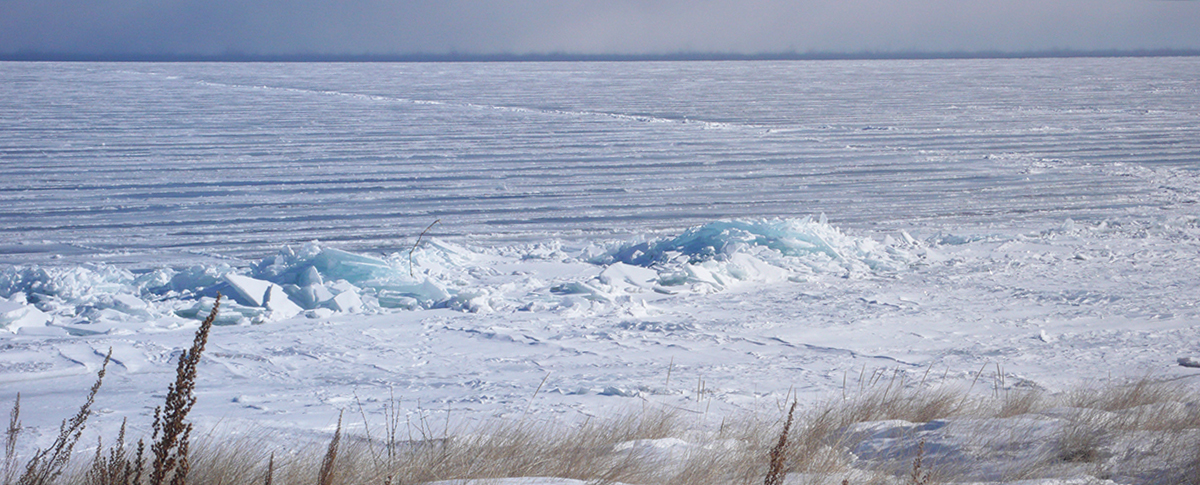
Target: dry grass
(1016,403)
(1145,431)
(1081,438)
(498,450)
(242,461)
(881,397)
(530,448)
(1142,431)
(171,450)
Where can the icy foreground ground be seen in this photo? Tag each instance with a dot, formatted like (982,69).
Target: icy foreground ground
(718,328)
(604,245)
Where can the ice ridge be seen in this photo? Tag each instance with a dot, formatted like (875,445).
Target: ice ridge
(319,281)
(815,244)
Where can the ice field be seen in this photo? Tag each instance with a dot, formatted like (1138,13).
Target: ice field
(705,236)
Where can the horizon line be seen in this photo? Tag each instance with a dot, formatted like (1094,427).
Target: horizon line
(31,56)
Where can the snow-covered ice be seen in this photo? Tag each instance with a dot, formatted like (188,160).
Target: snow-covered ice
(707,237)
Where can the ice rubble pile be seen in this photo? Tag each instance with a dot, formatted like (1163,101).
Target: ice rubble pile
(320,281)
(715,256)
(323,281)
(313,279)
(34,296)
(798,245)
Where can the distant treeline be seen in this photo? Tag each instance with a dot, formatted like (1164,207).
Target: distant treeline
(568,57)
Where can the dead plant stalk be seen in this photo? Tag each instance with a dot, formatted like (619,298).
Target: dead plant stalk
(171,430)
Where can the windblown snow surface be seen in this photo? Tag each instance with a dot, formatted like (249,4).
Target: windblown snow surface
(700,236)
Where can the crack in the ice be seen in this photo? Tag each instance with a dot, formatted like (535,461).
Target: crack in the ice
(849,352)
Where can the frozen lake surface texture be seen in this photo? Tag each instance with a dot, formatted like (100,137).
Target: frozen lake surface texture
(705,236)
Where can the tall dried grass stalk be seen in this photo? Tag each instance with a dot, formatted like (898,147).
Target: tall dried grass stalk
(139,463)
(326,476)
(172,432)
(919,475)
(270,470)
(10,443)
(776,471)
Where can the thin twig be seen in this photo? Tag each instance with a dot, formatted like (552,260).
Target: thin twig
(418,243)
(270,470)
(535,393)
(367,430)
(671,366)
(326,476)
(968,393)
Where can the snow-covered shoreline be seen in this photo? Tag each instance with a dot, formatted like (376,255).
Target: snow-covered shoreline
(729,330)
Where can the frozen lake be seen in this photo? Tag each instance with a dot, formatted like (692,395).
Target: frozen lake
(143,163)
(702,236)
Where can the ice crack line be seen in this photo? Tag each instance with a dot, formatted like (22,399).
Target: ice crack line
(851,353)
(514,109)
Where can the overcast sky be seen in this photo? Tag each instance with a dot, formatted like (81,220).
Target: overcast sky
(383,27)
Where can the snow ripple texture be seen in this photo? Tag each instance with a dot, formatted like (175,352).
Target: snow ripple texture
(136,163)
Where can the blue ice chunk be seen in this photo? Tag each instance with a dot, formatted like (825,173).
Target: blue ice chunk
(310,277)
(337,264)
(314,265)
(716,240)
(230,313)
(196,278)
(312,296)
(311,267)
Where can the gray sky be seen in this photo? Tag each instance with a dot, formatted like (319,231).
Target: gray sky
(286,27)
